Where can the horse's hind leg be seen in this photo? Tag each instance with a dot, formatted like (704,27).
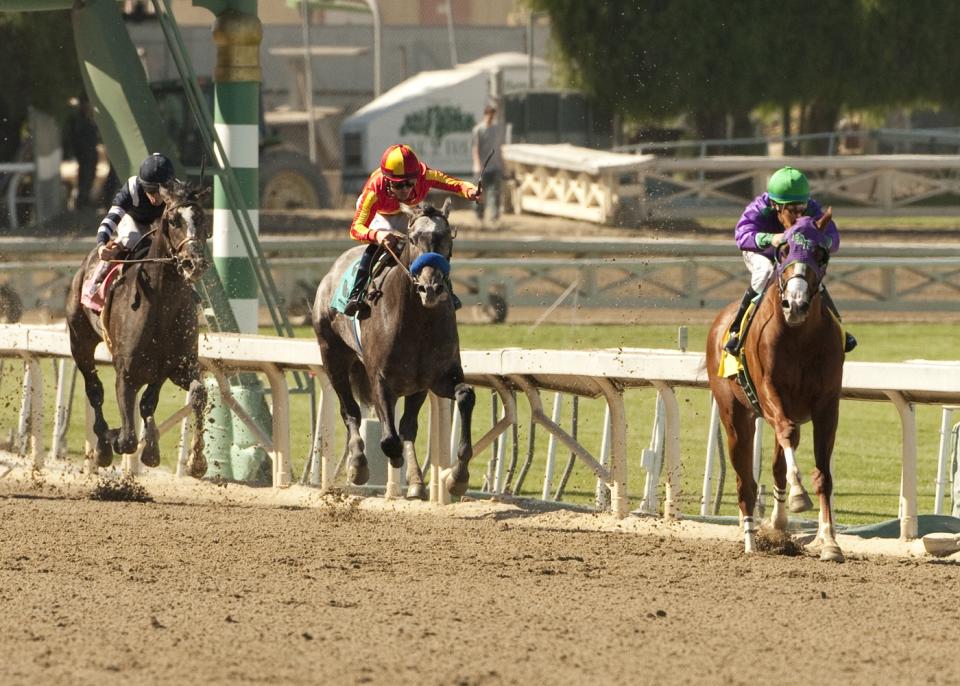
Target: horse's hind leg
(83,348)
(408,434)
(740,427)
(337,360)
(149,436)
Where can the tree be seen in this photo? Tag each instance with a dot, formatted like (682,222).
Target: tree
(714,61)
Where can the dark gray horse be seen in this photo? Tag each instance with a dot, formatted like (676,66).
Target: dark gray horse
(407,347)
(149,322)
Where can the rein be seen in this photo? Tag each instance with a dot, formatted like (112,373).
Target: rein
(410,276)
(146,259)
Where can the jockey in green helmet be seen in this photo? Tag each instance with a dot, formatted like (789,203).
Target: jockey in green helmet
(760,231)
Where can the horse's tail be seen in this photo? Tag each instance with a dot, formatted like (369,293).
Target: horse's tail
(360,384)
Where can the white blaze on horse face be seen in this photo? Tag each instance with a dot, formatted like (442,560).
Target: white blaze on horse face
(796,297)
(194,264)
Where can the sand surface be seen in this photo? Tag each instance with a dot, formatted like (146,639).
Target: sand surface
(229,584)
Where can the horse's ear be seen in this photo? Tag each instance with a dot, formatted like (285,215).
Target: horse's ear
(407,210)
(825,219)
(445,210)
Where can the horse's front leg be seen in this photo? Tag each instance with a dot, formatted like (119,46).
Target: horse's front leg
(457,478)
(787,436)
(408,434)
(149,436)
(824,435)
(189,380)
(385,402)
(778,518)
(125,440)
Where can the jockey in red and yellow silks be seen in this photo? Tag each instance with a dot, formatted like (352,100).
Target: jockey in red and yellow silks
(401,179)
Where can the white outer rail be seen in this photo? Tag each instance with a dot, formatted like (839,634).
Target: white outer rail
(593,373)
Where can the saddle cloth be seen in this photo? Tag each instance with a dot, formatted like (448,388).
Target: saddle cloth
(96,301)
(341,294)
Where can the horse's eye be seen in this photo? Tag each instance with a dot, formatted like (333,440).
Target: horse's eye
(782,251)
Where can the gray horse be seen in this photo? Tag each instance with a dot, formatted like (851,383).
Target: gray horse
(407,347)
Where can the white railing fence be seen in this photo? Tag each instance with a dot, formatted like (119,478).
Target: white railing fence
(605,374)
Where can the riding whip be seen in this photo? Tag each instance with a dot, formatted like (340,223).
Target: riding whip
(483,169)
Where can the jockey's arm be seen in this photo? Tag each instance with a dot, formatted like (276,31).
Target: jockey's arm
(366,209)
(437,179)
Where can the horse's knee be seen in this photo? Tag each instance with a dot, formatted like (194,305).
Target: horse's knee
(466,397)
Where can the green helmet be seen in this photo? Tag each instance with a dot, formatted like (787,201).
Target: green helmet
(788,185)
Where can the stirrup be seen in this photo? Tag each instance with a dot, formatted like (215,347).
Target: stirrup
(732,345)
(849,343)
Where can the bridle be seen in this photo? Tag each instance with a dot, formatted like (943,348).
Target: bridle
(173,256)
(428,258)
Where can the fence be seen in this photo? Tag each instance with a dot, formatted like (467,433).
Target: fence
(606,374)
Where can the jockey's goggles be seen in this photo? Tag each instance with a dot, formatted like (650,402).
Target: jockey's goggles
(406,184)
(794,208)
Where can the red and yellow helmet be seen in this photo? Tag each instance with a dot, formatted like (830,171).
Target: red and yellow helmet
(399,162)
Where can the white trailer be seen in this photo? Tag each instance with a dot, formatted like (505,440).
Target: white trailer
(434,112)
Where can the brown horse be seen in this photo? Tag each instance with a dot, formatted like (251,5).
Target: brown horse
(793,352)
(150,326)
(408,347)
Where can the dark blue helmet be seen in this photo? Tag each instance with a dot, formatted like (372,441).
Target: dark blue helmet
(155,171)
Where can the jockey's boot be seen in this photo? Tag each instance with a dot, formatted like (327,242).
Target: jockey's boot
(356,305)
(99,274)
(849,342)
(733,343)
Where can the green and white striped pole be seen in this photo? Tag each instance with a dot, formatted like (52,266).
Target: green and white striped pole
(237,33)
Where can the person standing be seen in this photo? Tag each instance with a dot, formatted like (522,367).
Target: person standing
(487,138)
(80,142)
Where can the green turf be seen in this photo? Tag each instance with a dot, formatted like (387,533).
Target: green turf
(866,459)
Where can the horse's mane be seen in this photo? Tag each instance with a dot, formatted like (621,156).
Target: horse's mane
(425,209)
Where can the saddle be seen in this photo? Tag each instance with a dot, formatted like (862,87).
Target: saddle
(99,298)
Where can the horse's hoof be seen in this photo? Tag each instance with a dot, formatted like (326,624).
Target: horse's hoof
(197,468)
(104,454)
(800,502)
(150,456)
(358,472)
(416,492)
(831,553)
(453,485)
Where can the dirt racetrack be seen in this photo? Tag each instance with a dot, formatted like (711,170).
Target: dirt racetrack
(221,589)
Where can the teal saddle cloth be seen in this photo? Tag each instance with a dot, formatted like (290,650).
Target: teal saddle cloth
(341,294)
